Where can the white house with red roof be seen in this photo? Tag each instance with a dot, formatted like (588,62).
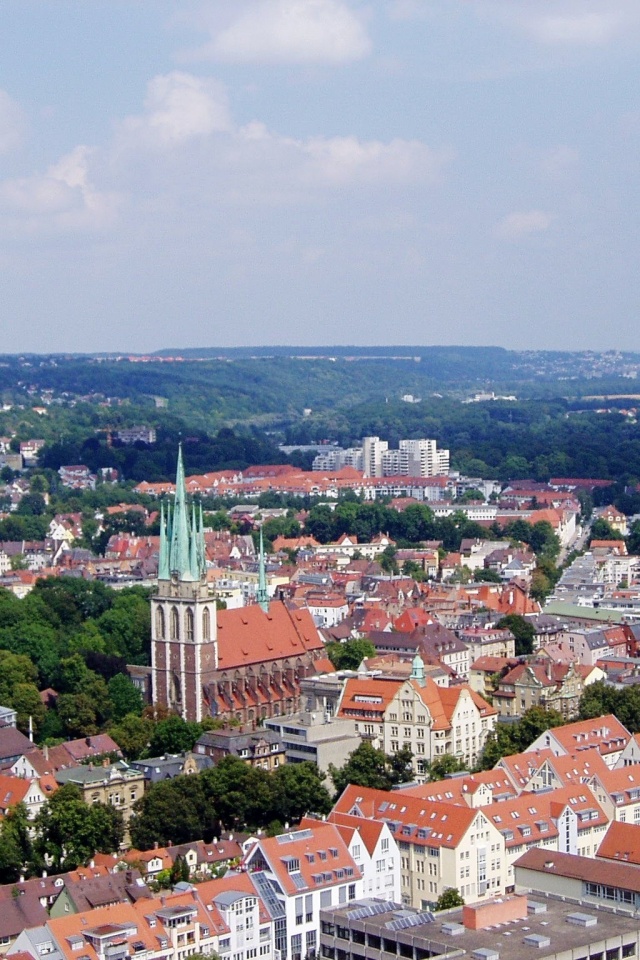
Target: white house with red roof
(374,849)
(299,873)
(442,845)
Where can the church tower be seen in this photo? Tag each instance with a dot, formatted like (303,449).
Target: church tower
(184,652)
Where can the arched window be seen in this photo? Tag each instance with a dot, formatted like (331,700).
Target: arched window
(188,624)
(159,623)
(206,624)
(175,624)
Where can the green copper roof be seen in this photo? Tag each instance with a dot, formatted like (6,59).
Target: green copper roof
(182,550)
(262,595)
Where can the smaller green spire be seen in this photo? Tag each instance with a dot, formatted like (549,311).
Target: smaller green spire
(163,557)
(194,553)
(201,546)
(262,595)
(417,669)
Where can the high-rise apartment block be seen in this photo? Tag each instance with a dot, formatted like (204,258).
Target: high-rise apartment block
(413,458)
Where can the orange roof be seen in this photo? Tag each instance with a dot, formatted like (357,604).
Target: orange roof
(249,635)
(426,822)
(575,769)
(318,853)
(369,830)
(606,733)
(623,784)
(522,766)
(621,842)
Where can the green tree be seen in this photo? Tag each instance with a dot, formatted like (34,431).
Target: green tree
(522,630)
(601,530)
(173,735)
(16,849)
(449,899)
(68,832)
(366,767)
(125,697)
(243,796)
(172,812)
(444,765)
(349,655)
(299,789)
(132,734)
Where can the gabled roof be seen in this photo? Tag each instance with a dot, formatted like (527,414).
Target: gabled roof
(424,822)
(305,860)
(621,842)
(622,785)
(577,768)
(249,635)
(520,767)
(369,830)
(606,733)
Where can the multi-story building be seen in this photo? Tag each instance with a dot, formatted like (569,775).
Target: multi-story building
(299,873)
(417,713)
(114,783)
(441,844)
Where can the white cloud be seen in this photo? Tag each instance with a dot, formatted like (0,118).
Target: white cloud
(578,28)
(292,31)
(179,107)
(346,159)
(12,124)
(585,23)
(62,198)
(521,223)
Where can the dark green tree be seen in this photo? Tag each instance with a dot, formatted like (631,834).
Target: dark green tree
(68,832)
(522,630)
(298,789)
(125,697)
(349,655)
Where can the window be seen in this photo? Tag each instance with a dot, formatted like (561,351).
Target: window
(206,624)
(188,624)
(160,623)
(174,624)
(384,846)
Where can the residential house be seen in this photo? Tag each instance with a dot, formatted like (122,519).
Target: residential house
(303,871)
(115,783)
(487,642)
(541,683)
(441,845)
(257,747)
(416,713)
(606,734)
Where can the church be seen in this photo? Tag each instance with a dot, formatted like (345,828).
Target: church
(245,664)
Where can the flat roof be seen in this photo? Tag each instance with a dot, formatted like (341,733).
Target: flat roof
(507,939)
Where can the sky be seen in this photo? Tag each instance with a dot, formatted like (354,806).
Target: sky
(181,173)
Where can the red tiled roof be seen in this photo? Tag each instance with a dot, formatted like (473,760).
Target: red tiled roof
(249,635)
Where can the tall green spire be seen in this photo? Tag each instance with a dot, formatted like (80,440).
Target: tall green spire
(163,558)
(262,595)
(179,557)
(194,552)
